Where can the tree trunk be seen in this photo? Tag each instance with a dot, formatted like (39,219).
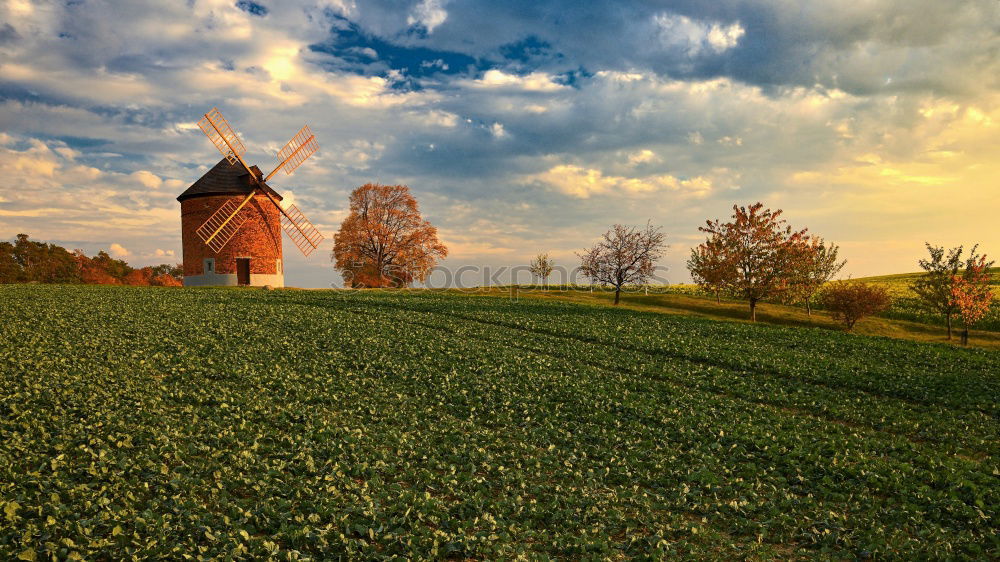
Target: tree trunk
(618,293)
(753,310)
(809,310)
(948,316)
(718,298)
(965,336)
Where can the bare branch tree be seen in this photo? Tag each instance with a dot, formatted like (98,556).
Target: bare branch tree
(542,267)
(624,256)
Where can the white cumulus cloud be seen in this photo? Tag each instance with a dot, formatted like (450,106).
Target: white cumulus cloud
(535,81)
(429,14)
(147,178)
(695,37)
(118,251)
(582,183)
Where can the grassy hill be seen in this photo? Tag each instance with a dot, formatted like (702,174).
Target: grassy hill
(906,319)
(156,422)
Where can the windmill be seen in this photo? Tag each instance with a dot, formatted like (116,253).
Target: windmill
(231,219)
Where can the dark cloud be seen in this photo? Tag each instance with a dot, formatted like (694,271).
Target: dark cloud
(853,47)
(8,34)
(642,109)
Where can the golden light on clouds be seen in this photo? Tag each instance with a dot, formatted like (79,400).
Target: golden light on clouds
(877,136)
(281,66)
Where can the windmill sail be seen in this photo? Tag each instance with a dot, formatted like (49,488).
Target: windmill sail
(293,154)
(217,129)
(298,228)
(224,223)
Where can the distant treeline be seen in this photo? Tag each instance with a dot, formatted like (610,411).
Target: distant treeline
(27,261)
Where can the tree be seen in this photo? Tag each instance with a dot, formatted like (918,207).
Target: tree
(94,271)
(165,280)
(933,289)
(709,268)
(384,242)
(818,266)
(971,293)
(624,256)
(762,254)
(27,261)
(541,267)
(176,270)
(850,301)
(10,269)
(139,277)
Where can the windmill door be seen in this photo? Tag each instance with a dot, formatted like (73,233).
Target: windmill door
(242,271)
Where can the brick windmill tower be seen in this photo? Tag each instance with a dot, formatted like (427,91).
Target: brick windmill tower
(231,220)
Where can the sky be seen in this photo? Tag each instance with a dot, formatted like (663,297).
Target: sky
(520,126)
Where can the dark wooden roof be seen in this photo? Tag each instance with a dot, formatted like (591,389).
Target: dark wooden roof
(224,179)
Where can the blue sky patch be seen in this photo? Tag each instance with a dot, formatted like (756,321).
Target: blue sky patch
(252,8)
(363,51)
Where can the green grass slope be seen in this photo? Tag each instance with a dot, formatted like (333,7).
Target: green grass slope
(906,306)
(687,300)
(156,423)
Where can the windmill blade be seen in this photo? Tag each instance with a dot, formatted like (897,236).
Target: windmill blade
(224,223)
(293,154)
(303,234)
(217,129)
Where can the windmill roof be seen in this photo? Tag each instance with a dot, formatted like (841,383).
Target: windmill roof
(224,179)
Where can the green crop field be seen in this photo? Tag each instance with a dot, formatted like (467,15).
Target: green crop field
(213,423)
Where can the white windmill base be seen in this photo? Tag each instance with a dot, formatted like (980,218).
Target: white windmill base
(229,280)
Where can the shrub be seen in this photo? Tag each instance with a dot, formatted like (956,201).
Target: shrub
(850,301)
(165,280)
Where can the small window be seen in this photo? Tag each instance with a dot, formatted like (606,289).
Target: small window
(278,267)
(209,265)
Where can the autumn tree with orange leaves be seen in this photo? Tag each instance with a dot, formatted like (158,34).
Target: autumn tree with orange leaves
(759,255)
(384,242)
(709,267)
(934,288)
(818,266)
(971,294)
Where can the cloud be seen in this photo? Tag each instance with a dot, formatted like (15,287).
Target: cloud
(873,122)
(695,37)
(643,156)
(118,251)
(533,82)
(147,178)
(61,199)
(585,182)
(429,14)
